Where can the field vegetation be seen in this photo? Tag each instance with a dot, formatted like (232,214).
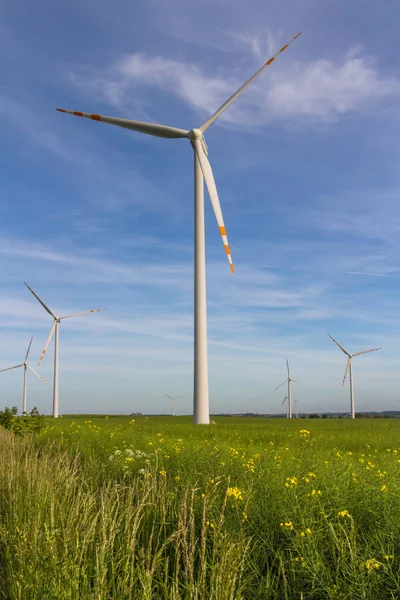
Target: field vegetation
(152,508)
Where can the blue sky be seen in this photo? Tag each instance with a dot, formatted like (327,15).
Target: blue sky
(306,165)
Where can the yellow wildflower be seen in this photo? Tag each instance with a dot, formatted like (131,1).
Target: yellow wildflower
(210,524)
(291,481)
(371,564)
(234,492)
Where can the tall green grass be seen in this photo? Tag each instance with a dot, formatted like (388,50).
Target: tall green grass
(155,508)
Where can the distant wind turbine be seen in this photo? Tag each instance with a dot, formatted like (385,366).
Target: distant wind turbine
(26,367)
(287,406)
(289,392)
(173,404)
(54,331)
(349,367)
(202,171)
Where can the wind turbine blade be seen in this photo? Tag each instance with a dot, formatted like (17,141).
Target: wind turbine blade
(366,351)
(280,385)
(47,343)
(173,399)
(346,370)
(37,374)
(298,382)
(85,312)
(337,344)
(41,301)
(212,191)
(288,371)
(222,108)
(9,368)
(162,131)
(284,400)
(29,347)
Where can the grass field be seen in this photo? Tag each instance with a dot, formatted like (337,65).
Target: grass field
(155,508)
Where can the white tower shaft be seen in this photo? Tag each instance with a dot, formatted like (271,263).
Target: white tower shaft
(352,410)
(55,385)
(25,382)
(201,414)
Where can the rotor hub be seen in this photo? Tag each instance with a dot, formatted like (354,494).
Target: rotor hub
(195,134)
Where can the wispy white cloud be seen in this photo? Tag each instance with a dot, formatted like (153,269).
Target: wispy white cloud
(373,213)
(102,176)
(319,89)
(22,118)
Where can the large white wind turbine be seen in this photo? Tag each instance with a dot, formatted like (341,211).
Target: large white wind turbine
(289,390)
(173,403)
(54,331)
(26,367)
(202,171)
(349,368)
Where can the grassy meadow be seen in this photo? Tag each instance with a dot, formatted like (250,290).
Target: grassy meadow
(158,509)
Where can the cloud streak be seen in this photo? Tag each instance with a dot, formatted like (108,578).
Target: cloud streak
(322,89)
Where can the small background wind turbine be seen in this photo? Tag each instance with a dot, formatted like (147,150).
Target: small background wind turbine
(289,393)
(54,331)
(287,406)
(26,367)
(202,171)
(349,368)
(173,403)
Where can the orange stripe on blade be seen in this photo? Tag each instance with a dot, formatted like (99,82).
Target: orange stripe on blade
(61,109)
(95,117)
(78,114)
(298,35)
(284,48)
(222,230)
(271,60)
(227,249)
(232,268)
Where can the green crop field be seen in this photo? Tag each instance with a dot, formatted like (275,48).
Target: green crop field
(157,508)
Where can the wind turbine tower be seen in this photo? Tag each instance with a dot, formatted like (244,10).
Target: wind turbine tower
(202,171)
(349,369)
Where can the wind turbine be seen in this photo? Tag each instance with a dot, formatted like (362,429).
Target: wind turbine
(26,367)
(287,406)
(54,331)
(173,403)
(349,367)
(297,408)
(289,392)
(202,171)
